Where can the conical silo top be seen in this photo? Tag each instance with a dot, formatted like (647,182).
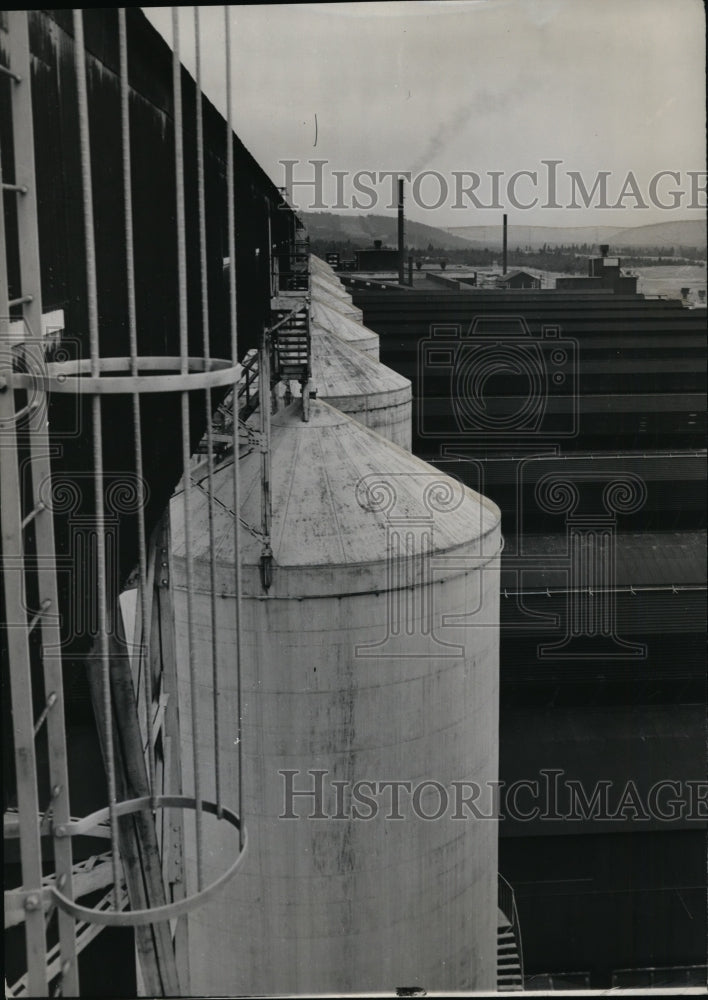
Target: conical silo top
(331,285)
(338,491)
(324,270)
(341,370)
(324,291)
(326,314)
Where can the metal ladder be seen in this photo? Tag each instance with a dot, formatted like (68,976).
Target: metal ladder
(31,608)
(35,672)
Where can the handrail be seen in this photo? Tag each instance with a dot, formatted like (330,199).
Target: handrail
(290,271)
(507,904)
(249,375)
(290,314)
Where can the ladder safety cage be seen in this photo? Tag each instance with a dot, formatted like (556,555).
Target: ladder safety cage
(131,671)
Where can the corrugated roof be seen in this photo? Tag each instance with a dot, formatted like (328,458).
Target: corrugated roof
(643,559)
(517,271)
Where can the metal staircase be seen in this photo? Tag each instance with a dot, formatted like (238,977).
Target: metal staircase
(287,341)
(509,975)
(510,961)
(290,341)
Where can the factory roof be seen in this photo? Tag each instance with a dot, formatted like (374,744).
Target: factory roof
(517,272)
(642,559)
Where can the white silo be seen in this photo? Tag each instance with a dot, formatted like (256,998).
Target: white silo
(328,277)
(335,296)
(361,387)
(325,313)
(372,657)
(324,270)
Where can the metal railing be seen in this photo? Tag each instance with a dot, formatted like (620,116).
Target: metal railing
(291,272)
(656,977)
(507,904)
(248,385)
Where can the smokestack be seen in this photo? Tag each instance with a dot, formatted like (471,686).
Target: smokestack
(504,247)
(401,246)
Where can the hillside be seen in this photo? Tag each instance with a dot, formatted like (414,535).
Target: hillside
(361,230)
(662,234)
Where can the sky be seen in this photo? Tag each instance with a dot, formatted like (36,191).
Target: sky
(447,90)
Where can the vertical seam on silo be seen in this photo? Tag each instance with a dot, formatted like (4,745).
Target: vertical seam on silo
(331,497)
(286,504)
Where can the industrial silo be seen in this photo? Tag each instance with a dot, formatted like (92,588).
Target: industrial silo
(335,296)
(370,655)
(326,276)
(361,387)
(325,313)
(321,267)
(326,273)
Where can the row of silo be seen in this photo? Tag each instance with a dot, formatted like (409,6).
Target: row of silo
(328,289)
(346,371)
(360,386)
(371,657)
(326,315)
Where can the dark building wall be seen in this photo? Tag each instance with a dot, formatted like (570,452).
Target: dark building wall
(377,260)
(600,902)
(634,372)
(592,897)
(617,283)
(520,281)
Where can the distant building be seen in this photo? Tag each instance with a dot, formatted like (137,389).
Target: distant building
(603,272)
(519,279)
(377,258)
